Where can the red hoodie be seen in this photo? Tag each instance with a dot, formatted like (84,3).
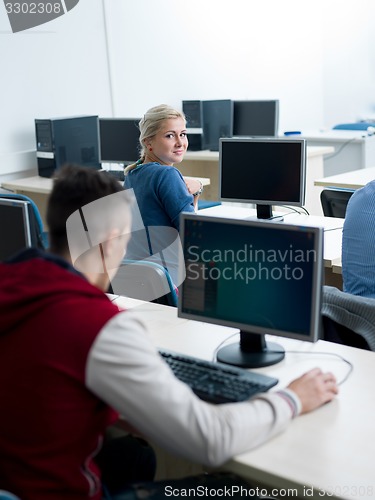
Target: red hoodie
(50,423)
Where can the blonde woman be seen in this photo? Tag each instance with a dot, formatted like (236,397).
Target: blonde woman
(159,188)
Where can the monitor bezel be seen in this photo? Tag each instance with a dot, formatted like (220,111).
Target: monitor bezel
(318,276)
(206,144)
(276,103)
(24,207)
(270,140)
(117,119)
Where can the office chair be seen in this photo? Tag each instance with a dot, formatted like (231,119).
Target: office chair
(335,201)
(348,319)
(145,280)
(6,495)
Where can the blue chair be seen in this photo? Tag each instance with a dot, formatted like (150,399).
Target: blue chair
(354,126)
(6,495)
(38,235)
(145,280)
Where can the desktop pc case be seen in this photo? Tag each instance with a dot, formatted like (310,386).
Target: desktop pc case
(62,140)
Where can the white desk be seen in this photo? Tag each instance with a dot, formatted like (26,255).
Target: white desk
(332,229)
(38,188)
(354,179)
(206,163)
(353,149)
(330,449)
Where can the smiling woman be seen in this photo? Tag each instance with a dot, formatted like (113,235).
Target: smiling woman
(159,188)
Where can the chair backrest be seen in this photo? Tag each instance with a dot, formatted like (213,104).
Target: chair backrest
(33,224)
(6,495)
(144,280)
(348,319)
(335,201)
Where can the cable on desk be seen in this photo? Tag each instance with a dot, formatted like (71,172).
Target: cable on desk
(333,229)
(328,157)
(222,343)
(351,367)
(295,210)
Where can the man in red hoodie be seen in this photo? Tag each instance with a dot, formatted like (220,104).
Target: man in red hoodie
(70,361)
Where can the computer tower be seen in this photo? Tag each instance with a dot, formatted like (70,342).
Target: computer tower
(62,140)
(195,141)
(193,113)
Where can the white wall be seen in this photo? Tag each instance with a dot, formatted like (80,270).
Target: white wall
(317,57)
(56,69)
(168,51)
(349,61)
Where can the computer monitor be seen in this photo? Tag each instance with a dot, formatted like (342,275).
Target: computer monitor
(256,118)
(119,140)
(263,277)
(193,113)
(263,171)
(15,232)
(217,122)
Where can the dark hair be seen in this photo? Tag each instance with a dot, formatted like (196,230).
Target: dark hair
(74,187)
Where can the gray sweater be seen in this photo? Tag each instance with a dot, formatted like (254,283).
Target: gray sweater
(355,312)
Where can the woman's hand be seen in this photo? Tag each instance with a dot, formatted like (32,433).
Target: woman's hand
(192,184)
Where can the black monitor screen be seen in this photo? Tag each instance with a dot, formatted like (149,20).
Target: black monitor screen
(256,118)
(193,113)
(217,122)
(14,227)
(119,140)
(261,277)
(263,171)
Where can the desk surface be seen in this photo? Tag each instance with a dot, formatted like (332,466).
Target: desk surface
(332,226)
(330,449)
(337,135)
(43,185)
(350,180)
(207,155)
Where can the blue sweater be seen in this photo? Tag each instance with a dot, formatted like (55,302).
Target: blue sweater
(161,196)
(358,243)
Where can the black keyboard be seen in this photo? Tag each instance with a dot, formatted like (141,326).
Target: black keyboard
(217,382)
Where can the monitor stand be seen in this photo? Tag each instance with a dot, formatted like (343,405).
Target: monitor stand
(252,352)
(265,212)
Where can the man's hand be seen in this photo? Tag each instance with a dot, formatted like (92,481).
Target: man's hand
(314,389)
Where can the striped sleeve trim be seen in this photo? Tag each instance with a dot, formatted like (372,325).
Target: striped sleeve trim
(293,401)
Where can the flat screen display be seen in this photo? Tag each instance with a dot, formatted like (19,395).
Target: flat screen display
(119,140)
(217,122)
(261,277)
(256,118)
(263,171)
(14,227)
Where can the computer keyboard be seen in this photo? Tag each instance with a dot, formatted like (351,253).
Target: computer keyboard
(217,382)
